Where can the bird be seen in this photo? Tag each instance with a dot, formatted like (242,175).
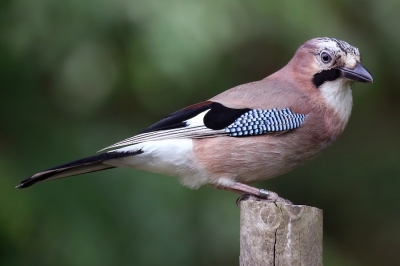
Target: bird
(252,132)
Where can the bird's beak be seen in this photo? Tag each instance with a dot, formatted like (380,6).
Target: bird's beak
(359,73)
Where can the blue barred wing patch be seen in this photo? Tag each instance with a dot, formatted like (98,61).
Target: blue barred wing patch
(258,122)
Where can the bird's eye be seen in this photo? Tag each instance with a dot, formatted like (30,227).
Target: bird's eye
(326,58)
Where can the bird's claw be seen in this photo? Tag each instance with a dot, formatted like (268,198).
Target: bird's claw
(264,195)
(244,197)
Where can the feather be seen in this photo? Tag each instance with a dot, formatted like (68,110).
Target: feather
(178,118)
(216,120)
(219,117)
(82,166)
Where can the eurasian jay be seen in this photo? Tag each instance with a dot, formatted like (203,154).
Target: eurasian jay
(249,133)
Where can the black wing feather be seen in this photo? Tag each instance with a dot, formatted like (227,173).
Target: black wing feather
(220,116)
(176,119)
(217,118)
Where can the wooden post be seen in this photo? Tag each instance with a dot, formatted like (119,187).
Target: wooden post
(279,234)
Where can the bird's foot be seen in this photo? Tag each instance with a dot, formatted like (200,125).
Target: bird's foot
(263,195)
(248,192)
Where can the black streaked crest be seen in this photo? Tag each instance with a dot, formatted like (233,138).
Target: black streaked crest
(342,45)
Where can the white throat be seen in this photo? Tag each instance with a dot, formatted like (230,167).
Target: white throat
(337,94)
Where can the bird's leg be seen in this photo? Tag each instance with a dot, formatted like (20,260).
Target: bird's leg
(247,192)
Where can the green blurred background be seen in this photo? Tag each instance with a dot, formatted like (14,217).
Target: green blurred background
(76,76)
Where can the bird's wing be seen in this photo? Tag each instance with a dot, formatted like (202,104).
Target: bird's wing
(211,119)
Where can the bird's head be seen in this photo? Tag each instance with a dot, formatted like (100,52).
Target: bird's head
(328,66)
(330,59)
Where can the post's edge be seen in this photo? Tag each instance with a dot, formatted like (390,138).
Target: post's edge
(279,203)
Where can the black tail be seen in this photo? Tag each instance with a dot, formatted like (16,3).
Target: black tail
(82,166)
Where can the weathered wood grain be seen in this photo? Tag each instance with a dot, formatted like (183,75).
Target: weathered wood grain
(279,234)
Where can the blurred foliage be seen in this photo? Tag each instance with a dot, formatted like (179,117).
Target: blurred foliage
(77,76)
